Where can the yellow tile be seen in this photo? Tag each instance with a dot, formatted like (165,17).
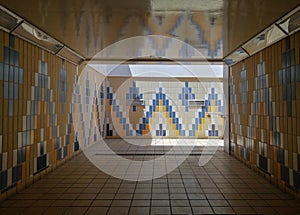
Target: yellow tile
(174,126)
(176,133)
(164,108)
(203,121)
(160,102)
(209,108)
(212,102)
(167,114)
(200,126)
(170,120)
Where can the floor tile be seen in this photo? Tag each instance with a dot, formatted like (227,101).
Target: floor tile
(118,211)
(244,210)
(140,202)
(199,203)
(202,210)
(180,203)
(223,185)
(119,203)
(160,202)
(181,210)
(160,210)
(75,210)
(223,210)
(139,210)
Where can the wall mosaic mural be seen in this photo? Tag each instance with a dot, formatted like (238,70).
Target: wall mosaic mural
(35,104)
(265,111)
(154,108)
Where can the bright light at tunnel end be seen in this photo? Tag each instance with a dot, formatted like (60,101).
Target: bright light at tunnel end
(99,151)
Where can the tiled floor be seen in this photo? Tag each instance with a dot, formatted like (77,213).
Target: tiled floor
(222,186)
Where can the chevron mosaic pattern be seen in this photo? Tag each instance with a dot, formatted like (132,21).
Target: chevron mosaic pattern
(166,112)
(264,111)
(35,125)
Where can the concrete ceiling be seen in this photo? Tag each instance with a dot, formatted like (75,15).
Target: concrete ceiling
(215,27)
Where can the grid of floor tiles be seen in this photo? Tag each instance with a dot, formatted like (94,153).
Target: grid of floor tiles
(224,185)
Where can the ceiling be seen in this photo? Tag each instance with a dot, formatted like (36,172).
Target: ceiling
(214,27)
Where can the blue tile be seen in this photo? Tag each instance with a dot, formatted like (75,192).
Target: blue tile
(280,156)
(285,174)
(6,55)
(12,41)
(59,154)
(16,173)
(134,108)
(182,133)
(3,181)
(41,162)
(296,177)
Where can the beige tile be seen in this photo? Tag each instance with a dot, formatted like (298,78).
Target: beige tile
(118,211)
(223,210)
(179,203)
(139,210)
(218,202)
(140,202)
(181,210)
(202,210)
(101,203)
(160,210)
(120,203)
(199,203)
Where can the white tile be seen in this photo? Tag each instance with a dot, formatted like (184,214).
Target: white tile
(4,161)
(20,139)
(15,156)
(39,149)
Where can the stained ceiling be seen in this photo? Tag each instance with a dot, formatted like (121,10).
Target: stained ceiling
(214,27)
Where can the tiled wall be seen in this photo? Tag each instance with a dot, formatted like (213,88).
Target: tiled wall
(89,107)
(36,131)
(265,111)
(166,111)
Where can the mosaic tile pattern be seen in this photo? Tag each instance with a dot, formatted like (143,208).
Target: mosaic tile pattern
(164,116)
(266,132)
(186,95)
(88,105)
(133,95)
(172,25)
(63,85)
(35,130)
